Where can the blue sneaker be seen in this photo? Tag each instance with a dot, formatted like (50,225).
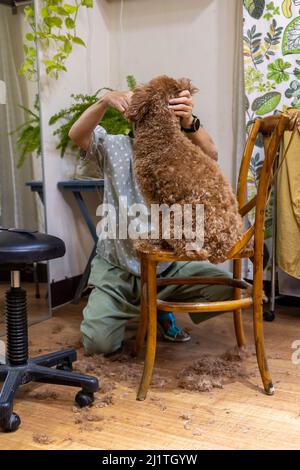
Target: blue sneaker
(170,330)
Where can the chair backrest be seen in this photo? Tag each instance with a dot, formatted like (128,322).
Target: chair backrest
(272,129)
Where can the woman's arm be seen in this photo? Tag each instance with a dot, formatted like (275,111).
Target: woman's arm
(82,130)
(183,108)
(204,140)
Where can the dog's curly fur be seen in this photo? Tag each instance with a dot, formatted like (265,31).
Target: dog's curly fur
(170,169)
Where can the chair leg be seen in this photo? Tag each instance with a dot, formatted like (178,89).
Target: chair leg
(238,327)
(259,345)
(237,314)
(152,331)
(143,323)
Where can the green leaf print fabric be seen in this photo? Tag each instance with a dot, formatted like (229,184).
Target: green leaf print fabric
(271,47)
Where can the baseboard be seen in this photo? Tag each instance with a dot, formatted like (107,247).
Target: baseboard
(63,291)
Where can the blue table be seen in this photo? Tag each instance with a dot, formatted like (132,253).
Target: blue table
(77,187)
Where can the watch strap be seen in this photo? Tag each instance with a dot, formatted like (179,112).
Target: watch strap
(196,124)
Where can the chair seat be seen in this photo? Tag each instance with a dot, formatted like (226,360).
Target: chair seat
(29,247)
(169,255)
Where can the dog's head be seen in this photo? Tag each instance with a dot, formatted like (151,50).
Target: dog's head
(155,96)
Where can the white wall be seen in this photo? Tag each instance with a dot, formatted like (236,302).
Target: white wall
(193,38)
(144,38)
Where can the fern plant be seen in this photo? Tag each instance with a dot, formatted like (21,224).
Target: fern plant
(28,140)
(113,121)
(28,134)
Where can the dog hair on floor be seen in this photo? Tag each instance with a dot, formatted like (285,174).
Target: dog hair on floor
(170,169)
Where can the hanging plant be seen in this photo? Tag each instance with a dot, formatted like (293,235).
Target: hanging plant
(55,32)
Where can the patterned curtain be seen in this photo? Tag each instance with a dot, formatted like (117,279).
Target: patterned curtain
(272,77)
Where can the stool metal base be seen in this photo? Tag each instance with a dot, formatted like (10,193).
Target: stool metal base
(39,369)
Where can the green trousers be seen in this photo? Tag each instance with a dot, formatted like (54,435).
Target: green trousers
(115,299)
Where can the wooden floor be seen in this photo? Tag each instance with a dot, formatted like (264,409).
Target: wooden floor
(239,416)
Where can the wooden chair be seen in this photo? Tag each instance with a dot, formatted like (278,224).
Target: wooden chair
(272,129)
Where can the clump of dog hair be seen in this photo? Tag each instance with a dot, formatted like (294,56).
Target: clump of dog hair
(209,372)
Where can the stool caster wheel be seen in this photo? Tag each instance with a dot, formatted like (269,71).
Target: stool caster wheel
(84,398)
(269,316)
(12,423)
(66,366)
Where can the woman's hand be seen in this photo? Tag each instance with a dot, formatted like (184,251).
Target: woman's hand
(183,108)
(118,100)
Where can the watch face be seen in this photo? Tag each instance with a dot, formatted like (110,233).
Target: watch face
(196,124)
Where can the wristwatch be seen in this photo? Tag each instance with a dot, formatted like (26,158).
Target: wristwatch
(196,124)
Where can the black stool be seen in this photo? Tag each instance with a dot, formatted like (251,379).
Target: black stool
(18,247)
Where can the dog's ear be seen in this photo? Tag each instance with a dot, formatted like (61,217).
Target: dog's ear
(186,84)
(139,105)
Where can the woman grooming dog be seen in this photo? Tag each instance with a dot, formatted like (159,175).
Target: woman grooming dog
(115,271)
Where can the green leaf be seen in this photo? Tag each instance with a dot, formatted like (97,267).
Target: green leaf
(255,8)
(30,37)
(291,38)
(29,11)
(267,16)
(31,52)
(70,24)
(59,10)
(277,71)
(68,47)
(25,66)
(297,73)
(293,92)
(54,21)
(266,103)
(44,12)
(48,62)
(78,40)
(131,82)
(69,8)
(62,11)
(87,3)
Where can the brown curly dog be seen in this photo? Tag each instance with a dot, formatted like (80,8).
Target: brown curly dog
(170,170)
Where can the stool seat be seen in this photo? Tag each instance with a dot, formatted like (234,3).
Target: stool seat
(18,247)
